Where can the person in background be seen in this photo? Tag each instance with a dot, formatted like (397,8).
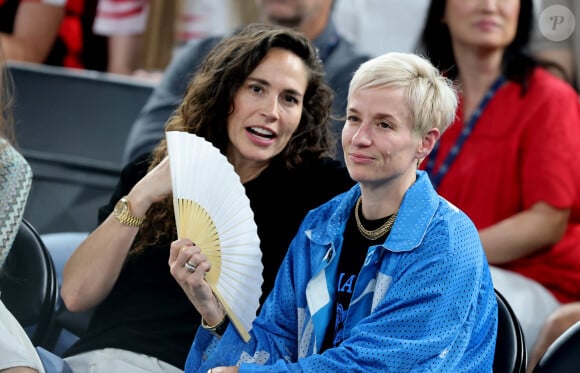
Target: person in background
(260,97)
(507,160)
(380,26)
(142,34)
(387,276)
(26,40)
(15,173)
(52,32)
(311,17)
(123,23)
(565,53)
(17,355)
(556,324)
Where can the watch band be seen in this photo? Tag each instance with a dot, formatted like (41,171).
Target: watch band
(218,329)
(132,220)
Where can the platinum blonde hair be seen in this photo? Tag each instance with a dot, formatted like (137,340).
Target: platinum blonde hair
(432,98)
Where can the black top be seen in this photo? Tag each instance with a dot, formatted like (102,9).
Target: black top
(147,312)
(352,256)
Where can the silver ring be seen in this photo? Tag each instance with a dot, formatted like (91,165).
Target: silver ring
(190,267)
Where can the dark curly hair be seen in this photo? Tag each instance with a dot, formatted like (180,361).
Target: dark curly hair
(436,41)
(209,102)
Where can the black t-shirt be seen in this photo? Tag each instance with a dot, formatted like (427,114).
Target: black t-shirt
(147,312)
(352,257)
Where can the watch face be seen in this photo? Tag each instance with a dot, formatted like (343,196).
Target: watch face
(120,208)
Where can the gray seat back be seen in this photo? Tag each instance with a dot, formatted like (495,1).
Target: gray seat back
(71,125)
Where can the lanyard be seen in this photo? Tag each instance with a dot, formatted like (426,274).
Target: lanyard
(465,133)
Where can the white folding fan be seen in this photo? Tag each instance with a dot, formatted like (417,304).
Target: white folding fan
(212,209)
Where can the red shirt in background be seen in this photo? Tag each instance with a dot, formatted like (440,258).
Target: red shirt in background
(522,150)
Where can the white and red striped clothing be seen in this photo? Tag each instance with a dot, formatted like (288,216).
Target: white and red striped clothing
(196,18)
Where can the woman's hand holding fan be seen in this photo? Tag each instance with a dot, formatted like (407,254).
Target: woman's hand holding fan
(212,210)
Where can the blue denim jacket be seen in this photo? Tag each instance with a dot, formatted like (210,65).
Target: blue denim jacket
(423,301)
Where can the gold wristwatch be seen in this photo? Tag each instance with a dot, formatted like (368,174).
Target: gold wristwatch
(122,213)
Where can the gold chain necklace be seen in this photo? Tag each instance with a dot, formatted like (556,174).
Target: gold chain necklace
(377,233)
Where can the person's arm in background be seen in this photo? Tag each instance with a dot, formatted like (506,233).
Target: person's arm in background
(525,233)
(18,370)
(124,53)
(557,323)
(35,30)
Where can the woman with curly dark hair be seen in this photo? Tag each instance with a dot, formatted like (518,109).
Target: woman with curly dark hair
(260,98)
